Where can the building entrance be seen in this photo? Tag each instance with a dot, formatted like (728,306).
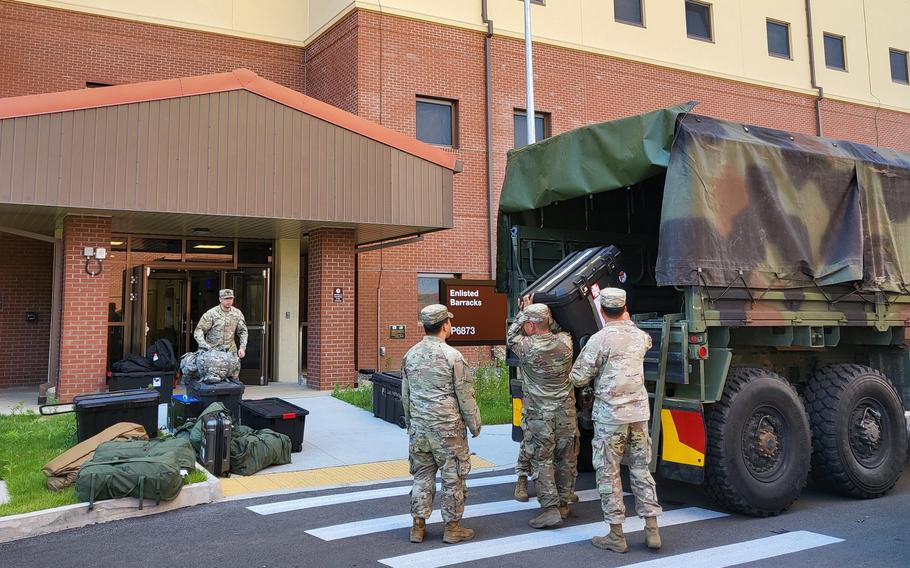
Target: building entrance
(171,302)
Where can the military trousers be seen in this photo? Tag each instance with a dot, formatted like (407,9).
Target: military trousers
(551,443)
(611,443)
(429,452)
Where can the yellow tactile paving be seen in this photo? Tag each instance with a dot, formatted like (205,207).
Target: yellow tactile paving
(327,476)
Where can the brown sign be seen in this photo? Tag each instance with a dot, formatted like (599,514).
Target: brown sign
(480,312)
(396,331)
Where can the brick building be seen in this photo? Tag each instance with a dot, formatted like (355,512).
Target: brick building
(388,62)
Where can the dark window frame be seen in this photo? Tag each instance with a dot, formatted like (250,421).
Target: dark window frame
(547,129)
(899,52)
(453,117)
(843,49)
(710,12)
(641,15)
(786,25)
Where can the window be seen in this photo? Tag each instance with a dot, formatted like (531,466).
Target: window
(779,39)
(835,56)
(698,21)
(428,288)
(96,85)
(436,122)
(628,12)
(899,67)
(541,127)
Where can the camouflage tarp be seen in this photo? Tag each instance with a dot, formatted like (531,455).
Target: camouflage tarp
(742,205)
(751,206)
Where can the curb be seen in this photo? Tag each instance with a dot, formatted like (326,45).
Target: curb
(25,525)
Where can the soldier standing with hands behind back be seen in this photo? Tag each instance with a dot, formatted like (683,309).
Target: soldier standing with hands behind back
(437,393)
(548,409)
(614,358)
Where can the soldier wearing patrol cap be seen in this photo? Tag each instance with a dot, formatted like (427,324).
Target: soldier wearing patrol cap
(437,393)
(218,326)
(548,408)
(614,359)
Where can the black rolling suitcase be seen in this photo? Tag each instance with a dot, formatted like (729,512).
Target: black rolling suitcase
(215,452)
(571,287)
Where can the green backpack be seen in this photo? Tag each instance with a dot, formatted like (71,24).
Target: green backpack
(182,451)
(155,477)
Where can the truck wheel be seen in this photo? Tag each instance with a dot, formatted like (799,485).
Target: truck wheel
(758,444)
(859,437)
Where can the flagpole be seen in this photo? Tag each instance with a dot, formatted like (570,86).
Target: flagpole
(529,75)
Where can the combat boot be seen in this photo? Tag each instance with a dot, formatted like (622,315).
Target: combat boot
(549,518)
(456,533)
(521,489)
(418,529)
(614,541)
(564,511)
(652,536)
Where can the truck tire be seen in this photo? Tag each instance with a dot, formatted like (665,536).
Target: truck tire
(859,436)
(759,444)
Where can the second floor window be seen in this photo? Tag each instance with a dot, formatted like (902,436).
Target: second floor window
(835,56)
(628,12)
(698,21)
(899,67)
(541,127)
(779,39)
(436,121)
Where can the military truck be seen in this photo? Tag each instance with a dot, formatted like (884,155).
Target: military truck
(771,269)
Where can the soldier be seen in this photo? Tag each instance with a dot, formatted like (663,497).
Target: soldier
(437,393)
(614,359)
(217,327)
(548,412)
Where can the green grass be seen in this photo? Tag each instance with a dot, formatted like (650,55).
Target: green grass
(27,442)
(491,384)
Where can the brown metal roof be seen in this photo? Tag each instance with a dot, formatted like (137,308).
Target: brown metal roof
(247,154)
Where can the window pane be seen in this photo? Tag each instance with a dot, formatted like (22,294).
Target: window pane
(899,66)
(114,344)
(253,252)
(210,251)
(520,122)
(834,52)
(428,289)
(778,39)
(434,123)
(627,11)
(698,20)
(146,251)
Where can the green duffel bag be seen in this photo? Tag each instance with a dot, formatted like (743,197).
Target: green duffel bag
(182,450)
(253,450)
(155,478)
(191,430)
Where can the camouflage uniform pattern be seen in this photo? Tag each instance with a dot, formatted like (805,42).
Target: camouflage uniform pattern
(549,420)
(217,327)
(217,365)
(437,393)
(614,359)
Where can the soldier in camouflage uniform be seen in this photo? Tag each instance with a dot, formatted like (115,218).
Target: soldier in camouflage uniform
(437,393)
(549,419)
(614,358)
(217,327)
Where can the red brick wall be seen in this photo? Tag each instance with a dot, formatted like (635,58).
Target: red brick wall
(25,286)
(331,66)
(83,333)
(46,50)
(330,335)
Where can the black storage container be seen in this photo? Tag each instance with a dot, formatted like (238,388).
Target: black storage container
(278,415)
(227,393)
(97,411)
(182,408)
(571,287)
(161,381)
(387,397)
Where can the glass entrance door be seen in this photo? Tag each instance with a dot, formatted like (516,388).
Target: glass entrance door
(251,296)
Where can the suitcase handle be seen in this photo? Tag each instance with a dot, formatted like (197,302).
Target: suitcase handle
(51,409)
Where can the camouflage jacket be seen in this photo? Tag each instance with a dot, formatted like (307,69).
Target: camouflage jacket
(437,391)
(544,361)
(614,359)
(216,328)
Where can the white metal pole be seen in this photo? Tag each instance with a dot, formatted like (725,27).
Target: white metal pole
(529,75)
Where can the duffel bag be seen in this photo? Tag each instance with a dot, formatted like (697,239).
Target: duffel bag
(155,478)
(181,450)
(253,450)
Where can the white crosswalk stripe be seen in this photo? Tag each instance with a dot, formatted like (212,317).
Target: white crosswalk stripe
(742,552)
(355,496)
(368,526)
(478,550)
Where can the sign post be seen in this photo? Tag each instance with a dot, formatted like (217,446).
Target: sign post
(479,311)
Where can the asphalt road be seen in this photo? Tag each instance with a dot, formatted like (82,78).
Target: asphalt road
(819,530)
